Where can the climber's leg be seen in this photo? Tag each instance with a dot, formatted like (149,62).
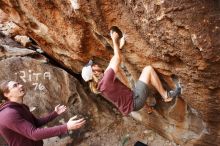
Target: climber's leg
(149,76)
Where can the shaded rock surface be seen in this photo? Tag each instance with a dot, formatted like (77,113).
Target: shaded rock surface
(175,37)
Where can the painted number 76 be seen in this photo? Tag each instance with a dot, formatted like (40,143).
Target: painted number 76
(38,86)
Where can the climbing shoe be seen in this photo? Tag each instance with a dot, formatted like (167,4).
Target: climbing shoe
(174,93)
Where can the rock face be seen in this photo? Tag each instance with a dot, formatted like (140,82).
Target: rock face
(47,86)
(175,37)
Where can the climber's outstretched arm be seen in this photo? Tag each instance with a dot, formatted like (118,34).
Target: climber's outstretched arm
(116,59)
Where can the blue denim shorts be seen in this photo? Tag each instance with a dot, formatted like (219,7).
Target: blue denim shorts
(140,93)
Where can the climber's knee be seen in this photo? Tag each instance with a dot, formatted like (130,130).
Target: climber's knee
(146,74)
(147,69)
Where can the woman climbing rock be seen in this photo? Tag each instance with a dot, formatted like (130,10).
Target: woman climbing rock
(109,86)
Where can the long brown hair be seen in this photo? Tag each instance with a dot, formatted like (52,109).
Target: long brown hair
(3,89)
(93,84)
